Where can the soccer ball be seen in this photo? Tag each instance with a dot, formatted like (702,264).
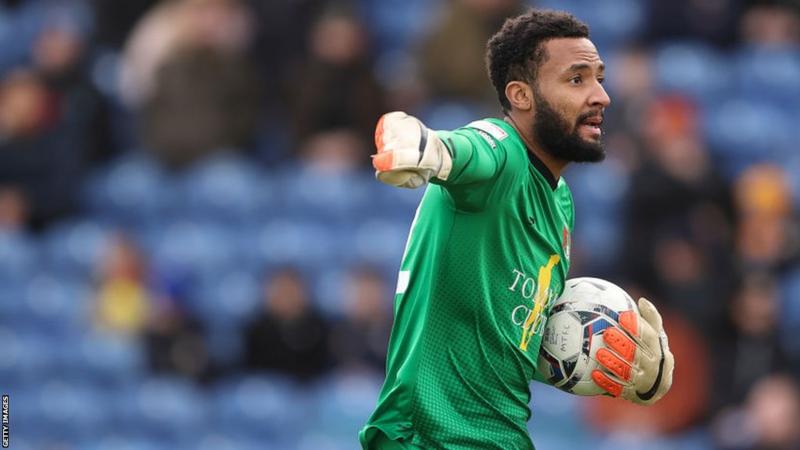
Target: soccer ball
(573,332)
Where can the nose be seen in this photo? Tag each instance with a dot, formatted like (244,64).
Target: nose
(599,97)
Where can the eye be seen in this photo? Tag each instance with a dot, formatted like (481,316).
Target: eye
(601,79)
(576,80)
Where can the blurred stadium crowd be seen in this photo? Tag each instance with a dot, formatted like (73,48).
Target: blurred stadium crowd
(194,253)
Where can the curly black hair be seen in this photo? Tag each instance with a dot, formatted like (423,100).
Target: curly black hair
(516,51)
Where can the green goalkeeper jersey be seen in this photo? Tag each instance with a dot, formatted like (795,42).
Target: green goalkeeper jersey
(487,255)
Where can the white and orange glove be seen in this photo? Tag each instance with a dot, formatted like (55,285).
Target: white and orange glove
(409,154)
(637,365)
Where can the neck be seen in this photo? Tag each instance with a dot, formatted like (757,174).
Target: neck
(553,164)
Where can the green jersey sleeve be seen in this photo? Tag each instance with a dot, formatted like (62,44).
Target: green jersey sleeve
(479,157)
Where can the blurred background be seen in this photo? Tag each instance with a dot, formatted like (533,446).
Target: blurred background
(194,253)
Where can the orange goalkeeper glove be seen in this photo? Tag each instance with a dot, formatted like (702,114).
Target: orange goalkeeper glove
(637,365)
(409,154)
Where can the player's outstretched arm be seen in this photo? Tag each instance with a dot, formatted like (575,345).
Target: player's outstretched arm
(409,154)
(638,363)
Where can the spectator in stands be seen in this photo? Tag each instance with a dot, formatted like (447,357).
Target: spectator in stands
(679,219)
(174,338)
(749,349)
(358,342)
(288,336)
(713,22)
(771,24)
(203,101)
(334,151)
(185,73)
(767,421)
(51,121)
(222,25)
(14,209)
(123,300)
(768,233)
(335,87)
(452,56)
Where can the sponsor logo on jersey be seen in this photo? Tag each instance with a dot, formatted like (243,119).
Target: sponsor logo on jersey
(490,128)
(542,297)
(566,242)
(486,138)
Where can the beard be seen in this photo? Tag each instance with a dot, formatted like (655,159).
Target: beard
(560,139)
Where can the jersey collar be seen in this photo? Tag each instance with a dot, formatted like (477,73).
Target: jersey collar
(542,168)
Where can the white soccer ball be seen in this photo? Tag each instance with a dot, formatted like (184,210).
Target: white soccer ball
(573,332)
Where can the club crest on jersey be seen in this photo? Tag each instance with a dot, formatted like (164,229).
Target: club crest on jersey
(566,242)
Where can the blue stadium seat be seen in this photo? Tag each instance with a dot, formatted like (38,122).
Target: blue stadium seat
(397,25)
(744,132)
(599,192)
(12,300)
(225,189)
(27,356)
(313,195)
(194,248)
(344,401)
(327,288)
(229,298)
(217,441)
(303,243)
(693,68)
(266,406)
(108,360)
(378,241)
(57,305)
(769,73)
(440,114)
(19,255)
(75,248)
(556,421)
(133,191)
(163,408)
(127,442)
(71,410)
(612,22)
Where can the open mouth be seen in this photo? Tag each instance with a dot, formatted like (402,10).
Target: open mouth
(593,124)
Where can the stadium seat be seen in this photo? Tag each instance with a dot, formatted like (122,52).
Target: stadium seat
(397,25)
(71,410)
(303,243)
(109,360)
(19,254)
(194,248)
(228,298)
(163,408)
(263,406)
(57,305)
(74,248)
(134,191)
(693,68)
(598,191)
(612,22)
(744,132)
(344,401)
(769,73)
(224,189)
(310,194)
(556,420)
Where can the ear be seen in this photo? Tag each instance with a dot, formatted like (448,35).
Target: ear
(520,95)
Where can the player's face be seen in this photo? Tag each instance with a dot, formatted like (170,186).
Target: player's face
(570,100)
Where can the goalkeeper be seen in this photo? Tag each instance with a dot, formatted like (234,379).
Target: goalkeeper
(488,250)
